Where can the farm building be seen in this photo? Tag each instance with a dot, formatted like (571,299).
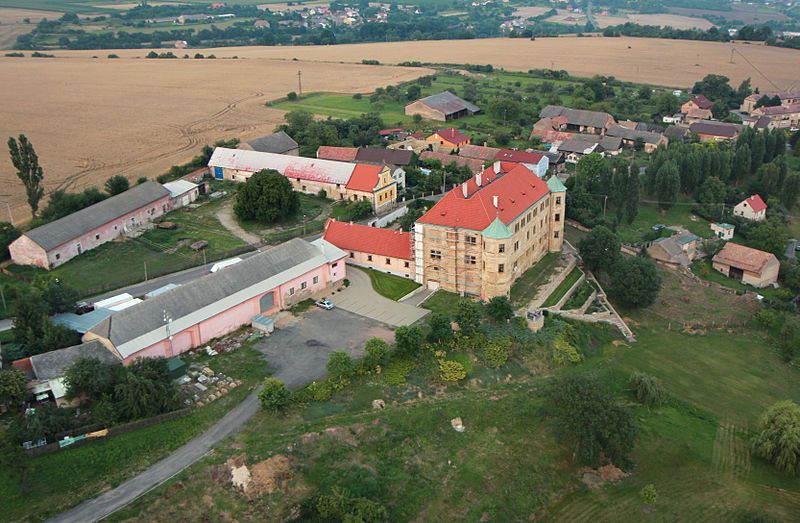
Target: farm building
(723,231)
(748,265)
(339,180)
(381,249)
(780,117)
(577,120)
(448,138)
(182,192)
(278,143)
(678,250)
(712,131)
(483,235)
(583,144)
(193,314)
(59,241)
(630,137)
(394,158)
(751,208)
(442,107)
(475,166)
(790,97)
(696,109)
(479,152)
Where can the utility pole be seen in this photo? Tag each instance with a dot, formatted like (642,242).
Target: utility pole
(732,50)
(145,271)
(605,200)
(299,83)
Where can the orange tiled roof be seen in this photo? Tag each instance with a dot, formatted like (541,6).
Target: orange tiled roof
(372,240)
(364,177)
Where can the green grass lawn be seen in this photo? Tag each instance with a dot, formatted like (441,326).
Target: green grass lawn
(343,106)
(649,215)
(389,285)
(116,264)
(579,297)
(563,287)
(442,302)
(526,287)
(311,206)
(54,482)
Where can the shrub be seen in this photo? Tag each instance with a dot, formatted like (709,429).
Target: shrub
(291,96)
(564,353)
(649,494)
(441,329)
(499,309)
(468,316)
(15,55)
(340,505)
(408,340)
(358,96)
(778,439)
(112,55)
(370,62)
(495,353)
(377,353)
(340,365)
(647,389)
(396,372)
(450,370)
(199,56)
(274,396)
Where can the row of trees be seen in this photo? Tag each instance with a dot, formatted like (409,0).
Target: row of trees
(33,330)
(356,132)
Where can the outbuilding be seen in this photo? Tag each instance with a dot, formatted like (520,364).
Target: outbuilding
(748,265)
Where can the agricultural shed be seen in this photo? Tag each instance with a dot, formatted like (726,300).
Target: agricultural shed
(443,106)
(748,265)
(278,143)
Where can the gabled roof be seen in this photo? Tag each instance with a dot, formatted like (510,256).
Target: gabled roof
(379,155)
(451,135)
(448,103)
(671,249)
(745,258)
(365,177)
(340,154)
(633,134)
(51,365)
(702,102)
(579,143)
(517,188)
(676,132)
(277,143)
(577,116)
(313,169)
(372,240)
(723,129)
(778,110)
(179,187)
(138,327)
(478,152)
(756,203)
(77,224)
(446,159)
(509,155)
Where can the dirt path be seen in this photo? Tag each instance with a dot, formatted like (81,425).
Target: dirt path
(226,218)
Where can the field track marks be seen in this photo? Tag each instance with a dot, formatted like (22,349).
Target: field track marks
(730,454)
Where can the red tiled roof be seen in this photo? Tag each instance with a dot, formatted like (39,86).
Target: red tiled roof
(364,178)
(478,152)
(756,203)
(509,155)
(517,190)
(387,132)
(419,135)
(702,102)
(372,240)
(745,258)
(341,154)
(452,135)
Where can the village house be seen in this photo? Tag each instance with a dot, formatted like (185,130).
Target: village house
(395,159)
(536,162)
(384,250)
(577,120)
(442,107)
(582,144)
(780,117)
(217,304)
(485,233)
(791,97)
(748,265)
(475,166)
(277,143)
(712,131)
(479,152)
(678,250)
(723,231)
(696,109)
(61,240)
(339,180)
(650,141)
(751,208)
(448,139)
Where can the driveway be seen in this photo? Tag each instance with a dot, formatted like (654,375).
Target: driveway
(361,299)
(298,353)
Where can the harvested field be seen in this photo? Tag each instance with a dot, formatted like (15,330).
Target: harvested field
(90,119)
(12,23)
(662,19)
(749,14)
(530,11)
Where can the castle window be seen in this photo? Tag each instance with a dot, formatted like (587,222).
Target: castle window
(558,200)
(516,246)
(369,257)
(558,217)
(436,255)
(470,260)
(472,240)
(556,234)
(501,268)
(501,248)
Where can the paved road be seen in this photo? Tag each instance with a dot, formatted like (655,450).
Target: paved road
(360,298)
(113,500)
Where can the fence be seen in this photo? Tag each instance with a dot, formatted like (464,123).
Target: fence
(385,220)
(112,431)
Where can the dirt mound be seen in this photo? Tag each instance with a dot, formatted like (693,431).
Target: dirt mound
(270,475)
(596,478)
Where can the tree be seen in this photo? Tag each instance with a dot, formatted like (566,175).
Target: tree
(500,309)
(742,161)
(599,249)
(667,104)
(13,388)
(377,353)
(778,439)
(57,294)
(291,96)
(468,316)
(502,109)
(647,389)
(790,190)
(413,92)
(768,236)
(340,365)
(635,282)
(274,395)
(117,185)
(712,196)
(408,339)
(26,162)
(715,87)
(92,378)
(649,494)
(8,233)
(588,418)
(668,184)
(632,197)
(266,197)
(145,389)
(441,329)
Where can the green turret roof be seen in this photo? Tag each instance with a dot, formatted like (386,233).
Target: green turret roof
(497,230)
(555,184)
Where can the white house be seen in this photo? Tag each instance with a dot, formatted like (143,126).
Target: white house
(723,231)
(752,208)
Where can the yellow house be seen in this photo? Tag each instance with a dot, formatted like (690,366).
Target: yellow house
(373,183)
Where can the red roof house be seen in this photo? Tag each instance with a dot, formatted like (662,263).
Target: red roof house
(510,155)
(364,178)
(341,154)
(451,138)
(381,249)
(752,208)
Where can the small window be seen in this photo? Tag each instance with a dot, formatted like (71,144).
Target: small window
(315,280)
(96,236)
(470,260)
(388,261)
(516,227)
(291,291)
(501,268)
(516,246)
(436,255)
(352,255)
(58,256)
(303,285)
(406,265)
(558,217)
(471,240)
(501,248)
(556,234)
(335,264)
(558,200)
(369,257)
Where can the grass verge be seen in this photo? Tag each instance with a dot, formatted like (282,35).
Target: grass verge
(563,287)
(526,287)
(389,285)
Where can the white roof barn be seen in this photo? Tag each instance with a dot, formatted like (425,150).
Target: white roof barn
(290,166)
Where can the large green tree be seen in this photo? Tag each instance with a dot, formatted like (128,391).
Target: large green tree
(13,388)
(668,183)
(635,282)
(116,185)
(712,196)
(92,378)
(468,316)
(778,439)
(26,162)
(266,197)
(599,249)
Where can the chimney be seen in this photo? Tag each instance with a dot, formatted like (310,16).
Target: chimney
(464,189)
(485,144)
(496,167)
(496,201)
(478,179)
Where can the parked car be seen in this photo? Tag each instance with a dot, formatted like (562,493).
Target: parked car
(325,304)
(82,307)
(657,227)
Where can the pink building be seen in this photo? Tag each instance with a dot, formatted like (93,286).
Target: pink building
(217,304)
(57,242)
